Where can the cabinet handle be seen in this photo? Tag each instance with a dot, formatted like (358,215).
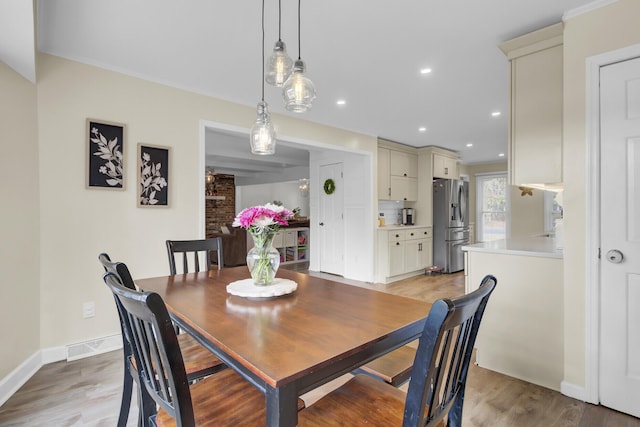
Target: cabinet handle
(419,247)
(389,191)
(397,235)
(405,198)
(397,243)
(405,174)
(411,234)
(446,171)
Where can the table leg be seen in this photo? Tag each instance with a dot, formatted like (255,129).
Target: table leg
(282,406)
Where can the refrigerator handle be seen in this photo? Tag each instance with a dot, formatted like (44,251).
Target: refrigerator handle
(461,203)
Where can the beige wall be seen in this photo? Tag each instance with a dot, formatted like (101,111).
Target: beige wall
(19,230)
(603,30)
(77,223)
(526,212)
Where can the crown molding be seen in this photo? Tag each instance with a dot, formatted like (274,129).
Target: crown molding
(586,8)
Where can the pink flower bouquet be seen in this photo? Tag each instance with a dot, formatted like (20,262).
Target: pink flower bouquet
(265,219)
(262,222)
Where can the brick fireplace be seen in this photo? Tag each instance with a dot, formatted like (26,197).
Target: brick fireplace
(220,203)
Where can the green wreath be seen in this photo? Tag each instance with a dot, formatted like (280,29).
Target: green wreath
(329,186)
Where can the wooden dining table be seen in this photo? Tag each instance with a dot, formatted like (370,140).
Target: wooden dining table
(291,344)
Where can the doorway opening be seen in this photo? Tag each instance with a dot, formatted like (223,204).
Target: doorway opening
(303,159)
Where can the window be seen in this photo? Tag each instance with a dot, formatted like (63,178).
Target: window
(492,202)
(552,210)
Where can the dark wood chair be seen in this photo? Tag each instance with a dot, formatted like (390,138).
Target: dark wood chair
(204,247)
(199,362)
(224,399)
(438,376)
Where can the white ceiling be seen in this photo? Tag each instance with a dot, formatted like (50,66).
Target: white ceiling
(368,52)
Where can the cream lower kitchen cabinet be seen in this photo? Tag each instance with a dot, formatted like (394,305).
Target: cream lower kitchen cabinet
(396,254)
(417,254)
(403,252)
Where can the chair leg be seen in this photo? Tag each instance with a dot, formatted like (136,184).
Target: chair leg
(127,394)
(148,408)
(454,418)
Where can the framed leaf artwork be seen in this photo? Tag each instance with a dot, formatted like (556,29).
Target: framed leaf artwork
(153,175)
(105,155)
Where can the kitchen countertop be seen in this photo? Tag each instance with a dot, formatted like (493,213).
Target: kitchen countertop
(528,246)
(401,227)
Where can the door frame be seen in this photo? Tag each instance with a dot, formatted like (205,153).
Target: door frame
(324,152)
(591,391)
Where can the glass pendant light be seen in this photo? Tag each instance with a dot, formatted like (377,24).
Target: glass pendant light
(298,91)
(280,65)
(263,134)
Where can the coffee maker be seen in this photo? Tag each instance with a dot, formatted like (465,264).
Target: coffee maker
(408,216)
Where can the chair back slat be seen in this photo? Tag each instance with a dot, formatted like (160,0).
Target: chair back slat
(193,249)
(439,372)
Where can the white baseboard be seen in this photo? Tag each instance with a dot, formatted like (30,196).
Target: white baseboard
(20,375)
(53,354)
(573,391)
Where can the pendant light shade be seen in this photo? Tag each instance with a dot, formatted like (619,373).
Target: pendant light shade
(298,91)
(263,134)
(280,64)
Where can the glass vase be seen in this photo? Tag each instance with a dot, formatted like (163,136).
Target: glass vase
(263,259)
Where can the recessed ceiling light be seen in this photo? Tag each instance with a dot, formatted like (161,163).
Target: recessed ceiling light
(422,129)
(425,70)
(341,102)
(501,155)
(496,113)
(469,145)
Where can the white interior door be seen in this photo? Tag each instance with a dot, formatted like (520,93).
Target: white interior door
(620,236)
(331,220)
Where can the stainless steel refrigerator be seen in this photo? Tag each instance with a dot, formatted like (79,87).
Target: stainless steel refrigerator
(450,223)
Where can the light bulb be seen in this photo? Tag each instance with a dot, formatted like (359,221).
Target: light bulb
(298,88)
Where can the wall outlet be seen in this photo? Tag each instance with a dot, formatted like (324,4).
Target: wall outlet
(88,309)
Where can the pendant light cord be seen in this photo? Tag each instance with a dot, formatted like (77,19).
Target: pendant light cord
(299,57)
(262,75)
(279,20)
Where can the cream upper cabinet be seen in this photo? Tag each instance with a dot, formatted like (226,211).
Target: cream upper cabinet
(445,167)
(403,164)
(433,162)
(535,132)
(397,175)
(384,186)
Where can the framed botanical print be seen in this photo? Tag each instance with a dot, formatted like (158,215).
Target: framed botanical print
(105,155)
(153,175)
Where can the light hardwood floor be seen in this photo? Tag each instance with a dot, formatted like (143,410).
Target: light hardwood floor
(87,392)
